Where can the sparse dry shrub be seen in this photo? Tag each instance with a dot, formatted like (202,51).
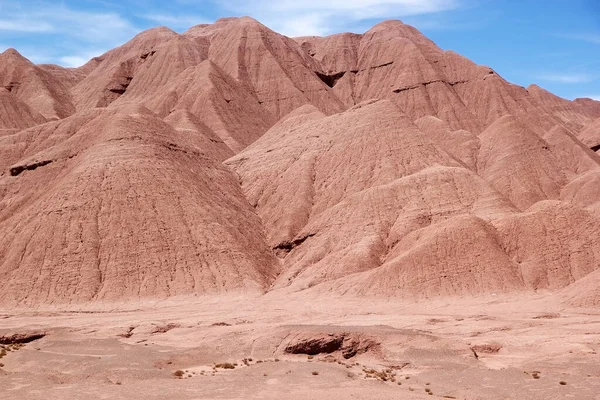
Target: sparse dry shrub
(225,366)
(179,373)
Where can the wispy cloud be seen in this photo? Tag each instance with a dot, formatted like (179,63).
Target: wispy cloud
(175,21)
(59,19)
(66,32)
(583,37)
(591,96)
(73,61)
(441,22)
(318,17)
(23,25)
(78,58)
(567,77)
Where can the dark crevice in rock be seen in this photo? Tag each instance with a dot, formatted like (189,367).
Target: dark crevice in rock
(119,82)
(424,84)
(312,347)
(12,86)
(129,333)
(284,248)
(118,91)
(331,79)
(382,65)
(134,137)
(595,148)
(122,88)
(347,344)
(400,90)
(19,338)
(165,328)
(356,71)
(149,54)
(14,171)
(486,349)
(179,149)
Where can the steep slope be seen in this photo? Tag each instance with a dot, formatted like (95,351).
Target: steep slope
(519,164)
(202,135)
(333,157)
(218,101)
(572,153)
(41,90)
(573,115)
(553,242)
(338,193)
(14,114)
(456,257)
(395,61)
(109,76)
(336,54)
(41,137)
(588,106)
(590,135)
(281,75)
(69,77)
(131,208)
(584,190)
(463,145)
(583,293)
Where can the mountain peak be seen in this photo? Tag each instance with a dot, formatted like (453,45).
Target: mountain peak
(15,56)
(346,154)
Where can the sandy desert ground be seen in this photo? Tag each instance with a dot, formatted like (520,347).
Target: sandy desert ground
(295,347)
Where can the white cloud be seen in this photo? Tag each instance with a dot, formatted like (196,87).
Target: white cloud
(108,28)
(441,22)
(304,25)
(61,34)
(592,96)
(584,37)
(362,8)
(59,19)
(320,17)
(72,61)
(21,25)
(175,21)
(80,58)
(567,77)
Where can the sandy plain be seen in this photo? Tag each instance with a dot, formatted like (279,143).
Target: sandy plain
(481,348)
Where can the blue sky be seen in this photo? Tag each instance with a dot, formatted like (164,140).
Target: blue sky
(553,43)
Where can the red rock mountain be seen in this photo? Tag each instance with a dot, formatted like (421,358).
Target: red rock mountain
(230,158)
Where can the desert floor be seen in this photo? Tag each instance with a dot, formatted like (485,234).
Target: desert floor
(484,348)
